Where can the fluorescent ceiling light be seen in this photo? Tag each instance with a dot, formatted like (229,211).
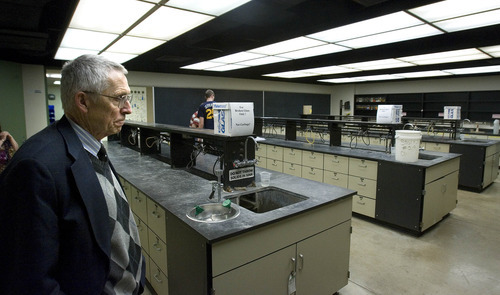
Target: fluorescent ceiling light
(53,75)
(228,67)
(331,70)
(377,64)
(291,74)
(263,61)
(469,22)
(167,23)
(446,57)
(492,50)
(314,51)
(475,70)
(212,7)
(112,16)
(84,39)
(423,74)
(237,57)
(72,53)
(118,57)
(453,8)
(288,45)
(134,45)
(58,82)
(342,80)
(392,36)
(202,65)
(368,27)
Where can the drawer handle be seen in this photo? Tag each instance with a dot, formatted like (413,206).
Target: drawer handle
(291,168)
(291,154)
(312,173)
(335,178)
(274,164)
(361,184)
(336,161)
(361,203)
(301,256)
(138,199)
(157,278)
(155,212)
(155,245)
(312,157)
(363,166)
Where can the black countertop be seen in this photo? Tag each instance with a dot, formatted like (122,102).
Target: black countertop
(465,141)
(178,191)
(430,158)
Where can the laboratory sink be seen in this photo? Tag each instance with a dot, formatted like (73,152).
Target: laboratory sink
(267,199)
(426,157)
(213,212)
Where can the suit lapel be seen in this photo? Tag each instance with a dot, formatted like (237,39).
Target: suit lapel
(88,186)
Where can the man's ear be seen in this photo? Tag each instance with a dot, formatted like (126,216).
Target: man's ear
(82,101)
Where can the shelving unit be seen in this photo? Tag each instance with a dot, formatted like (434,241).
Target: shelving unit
(475,105)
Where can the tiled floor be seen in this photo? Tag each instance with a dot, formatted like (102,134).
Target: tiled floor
(460,255)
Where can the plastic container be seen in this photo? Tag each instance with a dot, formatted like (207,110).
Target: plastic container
(407,145)
(265,178)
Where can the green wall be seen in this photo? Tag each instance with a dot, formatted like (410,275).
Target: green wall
(12,100)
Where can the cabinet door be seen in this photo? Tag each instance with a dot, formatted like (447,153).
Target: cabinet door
(437,147)
(158,251)
(323,261)
(143,233)
(364,187)
(439,199)
(138,203)
(267,275)
(363,205)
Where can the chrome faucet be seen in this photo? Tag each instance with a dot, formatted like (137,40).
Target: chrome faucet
(409,124)
(217,186)
(246,162)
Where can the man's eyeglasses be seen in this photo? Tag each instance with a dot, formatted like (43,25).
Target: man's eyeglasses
(120,99)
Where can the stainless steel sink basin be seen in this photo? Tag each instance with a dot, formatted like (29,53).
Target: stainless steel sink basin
(267,199)
(213,212)
(427,157)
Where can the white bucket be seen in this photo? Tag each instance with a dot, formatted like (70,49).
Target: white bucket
(407,145)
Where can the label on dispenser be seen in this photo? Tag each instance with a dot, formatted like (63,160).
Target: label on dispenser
(241,173)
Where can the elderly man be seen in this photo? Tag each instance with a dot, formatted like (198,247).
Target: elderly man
(66,226)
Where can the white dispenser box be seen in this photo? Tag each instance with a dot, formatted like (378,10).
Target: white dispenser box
(233,118)
(387,113)
(452,112)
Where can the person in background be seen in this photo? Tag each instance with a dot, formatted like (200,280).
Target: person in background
(205,111)
(8,146)
(66,225)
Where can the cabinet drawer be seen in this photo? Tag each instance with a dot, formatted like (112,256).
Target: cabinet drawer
(292,156)
(274,152)
(335,178)
(363,205)
(261,151)
(363,168)
(274,165)
(261,161)
(336,163)
(312,159)
(156,219)
(138,203)
(158,251)
(437,147)
(312,173)
(364,186)
(126,188)
(292,169)
(159,280)
(143,233)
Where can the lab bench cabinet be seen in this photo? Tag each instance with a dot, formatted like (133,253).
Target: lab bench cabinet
(312,247)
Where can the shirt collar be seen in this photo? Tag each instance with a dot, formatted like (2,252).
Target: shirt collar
(89,142)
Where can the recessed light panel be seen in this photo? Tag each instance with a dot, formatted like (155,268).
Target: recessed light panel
(470,22)
(134,45)
(445,57)
(202,65)
(72,53)
(238,57)
(212,7)
(167,23)
(453,8)
(314,51)
(84,39)
(287,46)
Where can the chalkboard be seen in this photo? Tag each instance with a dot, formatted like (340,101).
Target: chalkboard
(176,105)
(289,105)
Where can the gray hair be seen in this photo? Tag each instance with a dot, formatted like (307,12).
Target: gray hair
(209,93)
(86,73)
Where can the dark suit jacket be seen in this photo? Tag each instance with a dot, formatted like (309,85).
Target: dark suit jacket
(54,230)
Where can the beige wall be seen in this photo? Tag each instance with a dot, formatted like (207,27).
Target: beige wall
(35,99)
